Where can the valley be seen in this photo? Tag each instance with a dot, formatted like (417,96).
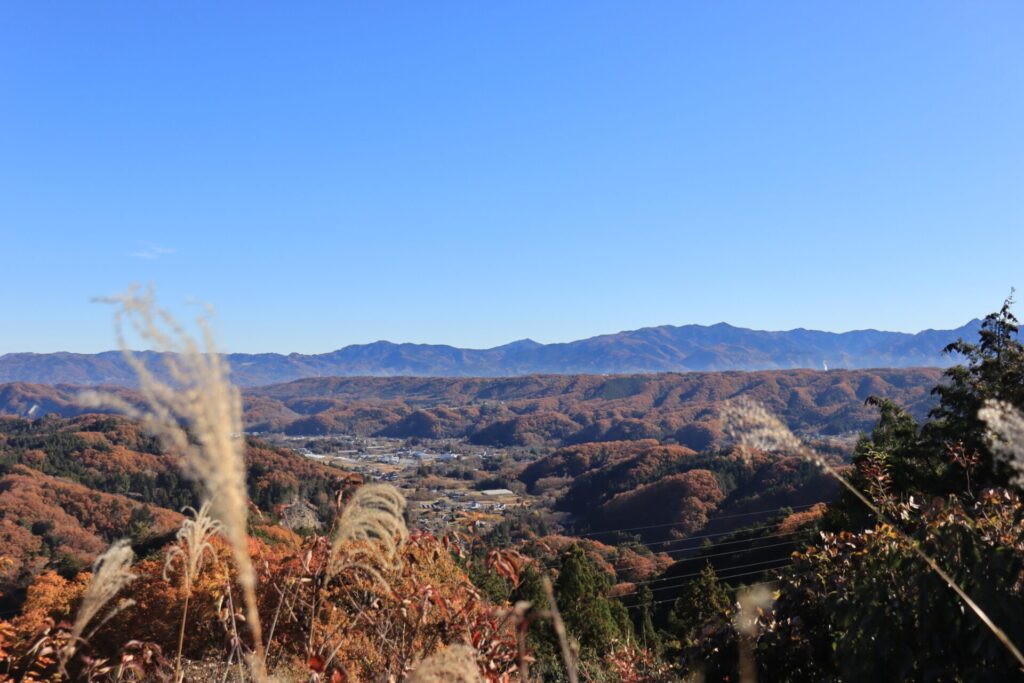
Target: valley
(634,478)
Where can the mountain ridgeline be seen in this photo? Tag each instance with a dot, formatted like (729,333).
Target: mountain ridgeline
(653,349)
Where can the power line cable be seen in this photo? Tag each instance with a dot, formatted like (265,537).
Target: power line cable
(749,585)
(724,570)
(722,578)
(718,545)
(671,524)
(732,542)
(732,532)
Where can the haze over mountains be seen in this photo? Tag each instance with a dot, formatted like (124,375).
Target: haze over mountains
(652,349)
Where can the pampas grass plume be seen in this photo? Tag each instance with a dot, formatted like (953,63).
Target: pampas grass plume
(749,424)
(454,664)
(110,573)
(199,396)
(193,545)
(1005,434)
(369,532)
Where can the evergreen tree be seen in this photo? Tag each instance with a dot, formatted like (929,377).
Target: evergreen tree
(890,463)
(644,625)
(581,591)
(140,523)
(703,599)
(900,460)
(995,370)
(540,638)
(862,607)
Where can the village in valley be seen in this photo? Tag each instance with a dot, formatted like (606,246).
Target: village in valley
(445,481)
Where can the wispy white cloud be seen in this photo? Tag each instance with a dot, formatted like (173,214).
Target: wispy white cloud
(151,251)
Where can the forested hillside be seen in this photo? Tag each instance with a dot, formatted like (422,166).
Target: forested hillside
(756,553)
(69,487)
(549,409)
(671,492)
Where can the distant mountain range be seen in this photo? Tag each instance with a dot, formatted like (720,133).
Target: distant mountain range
(651,349)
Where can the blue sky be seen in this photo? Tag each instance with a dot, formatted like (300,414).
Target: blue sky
(474,173)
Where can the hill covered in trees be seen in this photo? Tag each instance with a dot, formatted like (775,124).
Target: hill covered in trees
(547,409)
(69,487)
(671,562)
(689,348)
(671,492)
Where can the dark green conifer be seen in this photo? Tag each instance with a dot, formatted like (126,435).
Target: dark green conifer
(590,616)
(703,599)
(994,370)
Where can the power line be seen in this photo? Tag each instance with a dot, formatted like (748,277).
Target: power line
(723,569)
(650,547)
(689,577)
(726,569)
(737,551)
(712,535)
(705,536)
(733,542)
(749,585)
(670,524)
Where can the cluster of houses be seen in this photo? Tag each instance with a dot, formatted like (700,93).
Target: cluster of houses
(393,458)
(439,514)
(386,463)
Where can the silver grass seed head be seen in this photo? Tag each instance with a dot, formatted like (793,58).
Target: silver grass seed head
(196,395)
(748,423)
(751,601)
(193,545)
(110,573)
(1005,435)
(370,532)
(454,664)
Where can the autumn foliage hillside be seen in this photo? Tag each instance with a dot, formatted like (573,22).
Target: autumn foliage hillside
(51,523)
(671,491)
(549,409)
(69,487)
(566,409)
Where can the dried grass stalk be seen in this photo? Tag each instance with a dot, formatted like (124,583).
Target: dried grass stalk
(749,424)
(198,396)
(454,664)
(193,545)
(569,659)
(110,573)
(369,532)
(190,551)
(751,601)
